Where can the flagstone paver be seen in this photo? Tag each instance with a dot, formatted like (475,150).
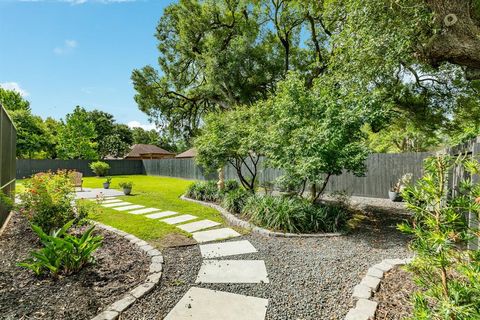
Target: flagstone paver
(222,249)
(232,271)
(179,219)
(116,204)
(198,225)
(142,211)
(215,234)
(161,214)
(205,304)
(126,208)
(111,201)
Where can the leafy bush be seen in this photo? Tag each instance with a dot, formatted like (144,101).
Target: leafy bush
(295,214)
(62,254)
(231,185)
(100,168)
(126,184)
(48,200)
(447,273)
(203,191)
(235,199)
(108,179)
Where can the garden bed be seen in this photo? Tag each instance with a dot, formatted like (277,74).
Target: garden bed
(119,268)
(394,296)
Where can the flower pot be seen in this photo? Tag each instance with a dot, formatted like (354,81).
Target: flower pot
(394,196)
(127,191)
(106,185)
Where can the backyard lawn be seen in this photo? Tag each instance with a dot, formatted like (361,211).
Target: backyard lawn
(150,191)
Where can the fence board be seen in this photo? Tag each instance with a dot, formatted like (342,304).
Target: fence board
(8,138)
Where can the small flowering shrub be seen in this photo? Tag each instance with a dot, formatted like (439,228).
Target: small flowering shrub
(48,200)
(62,253)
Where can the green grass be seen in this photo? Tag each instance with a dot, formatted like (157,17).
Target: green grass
(158,192)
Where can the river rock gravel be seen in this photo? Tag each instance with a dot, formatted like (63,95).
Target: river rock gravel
(310,278)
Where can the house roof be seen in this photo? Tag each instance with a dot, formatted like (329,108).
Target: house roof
(139,149)
(190,153)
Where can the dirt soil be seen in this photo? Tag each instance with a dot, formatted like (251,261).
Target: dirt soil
(119,267)
(394,295)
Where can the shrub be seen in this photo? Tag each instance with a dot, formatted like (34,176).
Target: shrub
(203,191)
(295,214)
(447,273)
(62,254)
(6,203)
(100,168)
(108,179)
(126,184)
(47,201)
(235,199)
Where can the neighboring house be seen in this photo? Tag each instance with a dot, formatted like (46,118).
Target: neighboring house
(190,153)
(148,151)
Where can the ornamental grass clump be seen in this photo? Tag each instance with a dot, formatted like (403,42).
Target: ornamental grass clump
(203,191)
(446,271)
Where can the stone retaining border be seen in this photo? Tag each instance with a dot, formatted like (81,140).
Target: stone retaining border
(234,221)
(114,310)
(365,308)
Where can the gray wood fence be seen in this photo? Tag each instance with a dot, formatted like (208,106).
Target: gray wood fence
(27,168)
(8,138)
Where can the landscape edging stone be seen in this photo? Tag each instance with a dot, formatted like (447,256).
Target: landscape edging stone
(115,309)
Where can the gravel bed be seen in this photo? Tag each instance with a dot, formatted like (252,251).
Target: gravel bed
(119,268)
(310,278)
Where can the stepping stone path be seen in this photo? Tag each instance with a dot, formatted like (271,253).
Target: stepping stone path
(206,304)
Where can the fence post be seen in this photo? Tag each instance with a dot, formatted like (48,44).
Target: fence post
(472,216)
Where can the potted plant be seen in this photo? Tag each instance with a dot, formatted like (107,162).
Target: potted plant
(106,184)
(126,186)
(396,190)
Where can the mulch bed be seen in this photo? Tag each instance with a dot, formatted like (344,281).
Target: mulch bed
(119,268)
(394,295)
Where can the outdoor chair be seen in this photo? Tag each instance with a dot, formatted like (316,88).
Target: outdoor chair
(77,179)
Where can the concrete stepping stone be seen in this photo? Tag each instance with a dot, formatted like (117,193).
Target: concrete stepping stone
(161,214)
(198,225)
(145,210)
(215,234)
(206,304)
(179,219)
(126,208)
(232,271)
(116,204)
(222,249)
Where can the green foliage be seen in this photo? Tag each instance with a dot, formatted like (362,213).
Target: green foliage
(47,200)
(295,214)
(234,200)
(126,184)
(311,136)
(231,138)
(100,168)
(203,190)
(13,101)
(62,253)
(108,179)
(448,275)
(76,137)
(6,203)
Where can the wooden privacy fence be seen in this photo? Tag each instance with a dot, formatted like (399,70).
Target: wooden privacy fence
(8,140)
(27,168)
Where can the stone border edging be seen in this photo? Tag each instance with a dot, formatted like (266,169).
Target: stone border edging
(233,220)
(365,308)
(114,310)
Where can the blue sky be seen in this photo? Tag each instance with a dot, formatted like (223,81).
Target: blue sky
(63,53)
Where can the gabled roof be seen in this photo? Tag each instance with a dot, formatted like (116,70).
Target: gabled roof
(190,153)
(139,149)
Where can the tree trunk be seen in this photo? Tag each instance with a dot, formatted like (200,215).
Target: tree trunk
(221,179)
(458,41)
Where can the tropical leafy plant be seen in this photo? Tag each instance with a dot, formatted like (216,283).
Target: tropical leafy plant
(126,184)
(62,253)
(447,273)
(100,168)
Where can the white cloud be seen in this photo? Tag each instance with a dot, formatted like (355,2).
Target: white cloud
(14,86)
(136,124)
(67,47)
